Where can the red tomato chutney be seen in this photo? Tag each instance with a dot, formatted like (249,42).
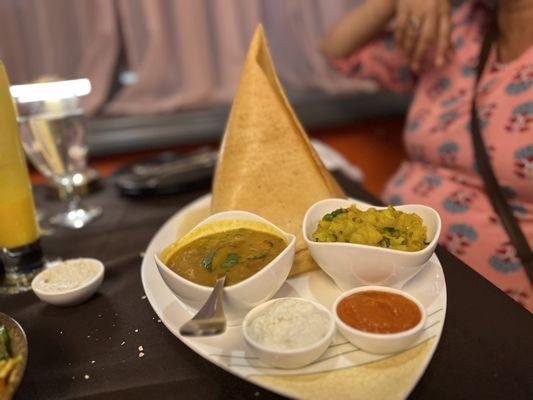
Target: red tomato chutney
(379,312)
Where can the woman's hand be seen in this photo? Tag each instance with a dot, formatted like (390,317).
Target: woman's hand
(421,27)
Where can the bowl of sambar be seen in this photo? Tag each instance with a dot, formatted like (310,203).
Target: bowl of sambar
(254,254)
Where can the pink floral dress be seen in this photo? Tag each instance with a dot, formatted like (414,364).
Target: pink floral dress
(441,170)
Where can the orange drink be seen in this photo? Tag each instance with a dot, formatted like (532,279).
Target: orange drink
(18,225)
(20,251)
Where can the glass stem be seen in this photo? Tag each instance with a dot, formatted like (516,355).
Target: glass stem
(71,196)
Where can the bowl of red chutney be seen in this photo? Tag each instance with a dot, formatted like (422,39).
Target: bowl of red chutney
(379,319)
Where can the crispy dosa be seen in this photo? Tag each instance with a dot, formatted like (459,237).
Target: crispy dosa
(267,165)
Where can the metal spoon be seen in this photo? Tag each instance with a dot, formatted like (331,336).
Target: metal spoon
(210,320)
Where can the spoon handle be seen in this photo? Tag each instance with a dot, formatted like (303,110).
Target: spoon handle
(213,306)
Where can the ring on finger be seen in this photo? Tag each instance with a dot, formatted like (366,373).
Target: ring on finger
(414,22)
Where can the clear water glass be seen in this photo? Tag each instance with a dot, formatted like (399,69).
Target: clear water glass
(53,134)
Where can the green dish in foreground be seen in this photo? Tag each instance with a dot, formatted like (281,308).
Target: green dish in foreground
(13,356)
(388,228)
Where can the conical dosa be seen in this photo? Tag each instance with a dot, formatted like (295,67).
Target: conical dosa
(267,165)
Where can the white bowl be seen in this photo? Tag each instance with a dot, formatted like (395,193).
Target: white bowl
(288,358)
(241,297)
(351,265)
(74,296)
(380,343)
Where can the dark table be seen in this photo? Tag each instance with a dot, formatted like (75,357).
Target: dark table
(91,351)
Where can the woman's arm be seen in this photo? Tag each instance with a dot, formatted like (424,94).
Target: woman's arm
(357,28)
(422,29)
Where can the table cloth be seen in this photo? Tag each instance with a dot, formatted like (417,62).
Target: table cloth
(93,350)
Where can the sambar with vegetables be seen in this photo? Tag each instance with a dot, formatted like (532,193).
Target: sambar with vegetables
(237,253)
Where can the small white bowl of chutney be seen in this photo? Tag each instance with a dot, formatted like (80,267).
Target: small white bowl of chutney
(379,319)
(288,332)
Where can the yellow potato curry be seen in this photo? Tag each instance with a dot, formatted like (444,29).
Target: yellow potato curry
(237,253)
(389,228)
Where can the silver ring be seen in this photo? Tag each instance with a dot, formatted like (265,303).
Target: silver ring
(414,22)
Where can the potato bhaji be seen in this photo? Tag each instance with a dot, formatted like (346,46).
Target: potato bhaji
(388,228)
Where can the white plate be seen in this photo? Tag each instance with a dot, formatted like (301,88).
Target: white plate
(229,350)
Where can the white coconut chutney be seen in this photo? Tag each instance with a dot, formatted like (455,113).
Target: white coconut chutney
(289,324)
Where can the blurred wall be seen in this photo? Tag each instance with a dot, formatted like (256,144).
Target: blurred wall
(154,56)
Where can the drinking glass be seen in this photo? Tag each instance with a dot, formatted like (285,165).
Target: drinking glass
(53,133)
(20,251)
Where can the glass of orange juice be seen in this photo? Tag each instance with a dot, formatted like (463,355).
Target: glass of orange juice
(20,251)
